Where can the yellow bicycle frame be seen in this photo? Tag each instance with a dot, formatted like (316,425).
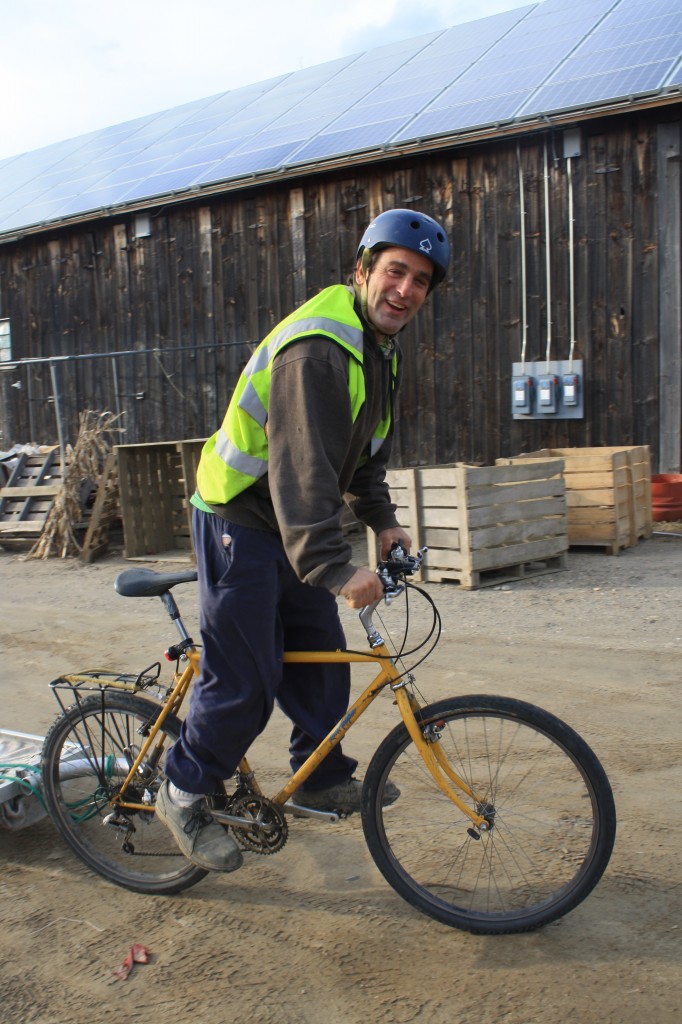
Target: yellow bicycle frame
(387,675)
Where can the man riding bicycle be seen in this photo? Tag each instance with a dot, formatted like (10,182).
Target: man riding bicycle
(308,429)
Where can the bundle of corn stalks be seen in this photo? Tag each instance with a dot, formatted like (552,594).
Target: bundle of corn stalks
(83,465)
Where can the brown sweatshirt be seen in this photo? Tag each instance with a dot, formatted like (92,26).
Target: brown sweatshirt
(314,451)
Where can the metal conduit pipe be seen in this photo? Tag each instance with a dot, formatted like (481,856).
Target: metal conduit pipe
(571,262)
(524,297)
(548,260)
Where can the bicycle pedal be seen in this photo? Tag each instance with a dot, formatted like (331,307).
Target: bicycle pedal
(119,821)
(299,811)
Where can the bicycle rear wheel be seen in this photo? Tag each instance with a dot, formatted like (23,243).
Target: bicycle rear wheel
(546,796)
(86,756)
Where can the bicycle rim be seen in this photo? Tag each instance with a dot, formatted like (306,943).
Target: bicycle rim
(86,756)
(547,797)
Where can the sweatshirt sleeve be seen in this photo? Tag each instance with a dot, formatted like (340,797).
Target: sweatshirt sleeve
(310,437)
(368,495)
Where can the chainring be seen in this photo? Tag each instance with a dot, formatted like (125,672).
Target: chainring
(269,832)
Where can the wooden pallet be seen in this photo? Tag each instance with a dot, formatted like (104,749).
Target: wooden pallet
(28,496)
(475,579)
(156,482)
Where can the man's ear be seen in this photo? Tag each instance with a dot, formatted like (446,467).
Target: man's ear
(359,273)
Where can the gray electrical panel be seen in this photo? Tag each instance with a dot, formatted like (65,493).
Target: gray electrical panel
(548,390)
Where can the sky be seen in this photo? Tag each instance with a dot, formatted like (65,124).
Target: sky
(74,66)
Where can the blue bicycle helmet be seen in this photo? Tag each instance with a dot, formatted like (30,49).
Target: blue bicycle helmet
(409,230)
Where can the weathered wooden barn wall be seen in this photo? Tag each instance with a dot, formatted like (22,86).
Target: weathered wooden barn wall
(183,307)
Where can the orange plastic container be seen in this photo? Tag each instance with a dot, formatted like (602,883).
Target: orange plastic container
(666,497)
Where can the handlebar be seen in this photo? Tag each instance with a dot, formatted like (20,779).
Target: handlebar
(397,566)
(392,574)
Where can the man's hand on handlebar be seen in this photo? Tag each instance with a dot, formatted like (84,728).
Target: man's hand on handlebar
(363,588)
(396,535)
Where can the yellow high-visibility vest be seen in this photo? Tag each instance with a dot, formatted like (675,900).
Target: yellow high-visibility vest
(237,454)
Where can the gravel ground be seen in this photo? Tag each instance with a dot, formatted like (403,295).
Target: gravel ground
(314,934)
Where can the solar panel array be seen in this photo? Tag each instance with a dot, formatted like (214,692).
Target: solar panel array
(548,57)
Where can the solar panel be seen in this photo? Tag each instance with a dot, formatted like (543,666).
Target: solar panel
(601,69)
(467,115)
(350,141)
(247,163)
(622,35)
(554,55)
(610,86)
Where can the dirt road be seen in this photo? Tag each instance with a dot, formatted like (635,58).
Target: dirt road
(314,935)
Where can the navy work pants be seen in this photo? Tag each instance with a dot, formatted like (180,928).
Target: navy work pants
(252,608)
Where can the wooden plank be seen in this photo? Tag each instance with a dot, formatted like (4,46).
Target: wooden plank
(511,493)
(512,513)
(441,538)
(512,554)
(517,533)
(670,295)
(583,499)
(481,476)
(414,500)
(452,518)
(594,514)
(127,498)
(35,491)
(104,510)
(31,529)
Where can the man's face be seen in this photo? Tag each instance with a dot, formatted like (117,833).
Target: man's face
(397,287)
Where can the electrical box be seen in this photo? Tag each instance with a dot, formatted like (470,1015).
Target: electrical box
(571,389)
(548,387)
(542,390)
(572,143)
(522,394)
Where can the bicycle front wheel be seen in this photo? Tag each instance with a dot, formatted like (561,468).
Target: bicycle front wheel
(546,798)
(86,757)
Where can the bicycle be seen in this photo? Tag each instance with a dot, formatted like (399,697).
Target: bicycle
(505,822)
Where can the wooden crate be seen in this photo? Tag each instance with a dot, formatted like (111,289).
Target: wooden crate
(483,525)
(608,494)
(155,483)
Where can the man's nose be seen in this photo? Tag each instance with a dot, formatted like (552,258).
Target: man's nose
(405,285)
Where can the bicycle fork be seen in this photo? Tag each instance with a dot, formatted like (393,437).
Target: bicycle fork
(434,758)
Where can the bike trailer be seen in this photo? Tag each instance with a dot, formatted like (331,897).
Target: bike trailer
(20,794)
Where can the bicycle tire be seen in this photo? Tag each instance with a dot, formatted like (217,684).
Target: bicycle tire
(553,823)
(86,756)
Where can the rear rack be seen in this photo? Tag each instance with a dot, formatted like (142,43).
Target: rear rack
(98,680)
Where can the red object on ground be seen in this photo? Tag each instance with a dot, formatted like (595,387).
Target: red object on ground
(138,955)
(666,497)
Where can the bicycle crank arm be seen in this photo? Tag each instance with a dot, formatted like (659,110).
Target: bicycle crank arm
(223,818)
(299,811)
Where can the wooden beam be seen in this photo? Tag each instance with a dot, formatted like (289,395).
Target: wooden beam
(670,296)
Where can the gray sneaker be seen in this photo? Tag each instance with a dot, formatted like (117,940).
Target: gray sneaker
(201,839)
(346,797)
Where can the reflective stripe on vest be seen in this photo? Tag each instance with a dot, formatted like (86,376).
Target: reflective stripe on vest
(237,455)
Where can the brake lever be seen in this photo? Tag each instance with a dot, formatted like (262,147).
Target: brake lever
(405,563)
(394,591)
